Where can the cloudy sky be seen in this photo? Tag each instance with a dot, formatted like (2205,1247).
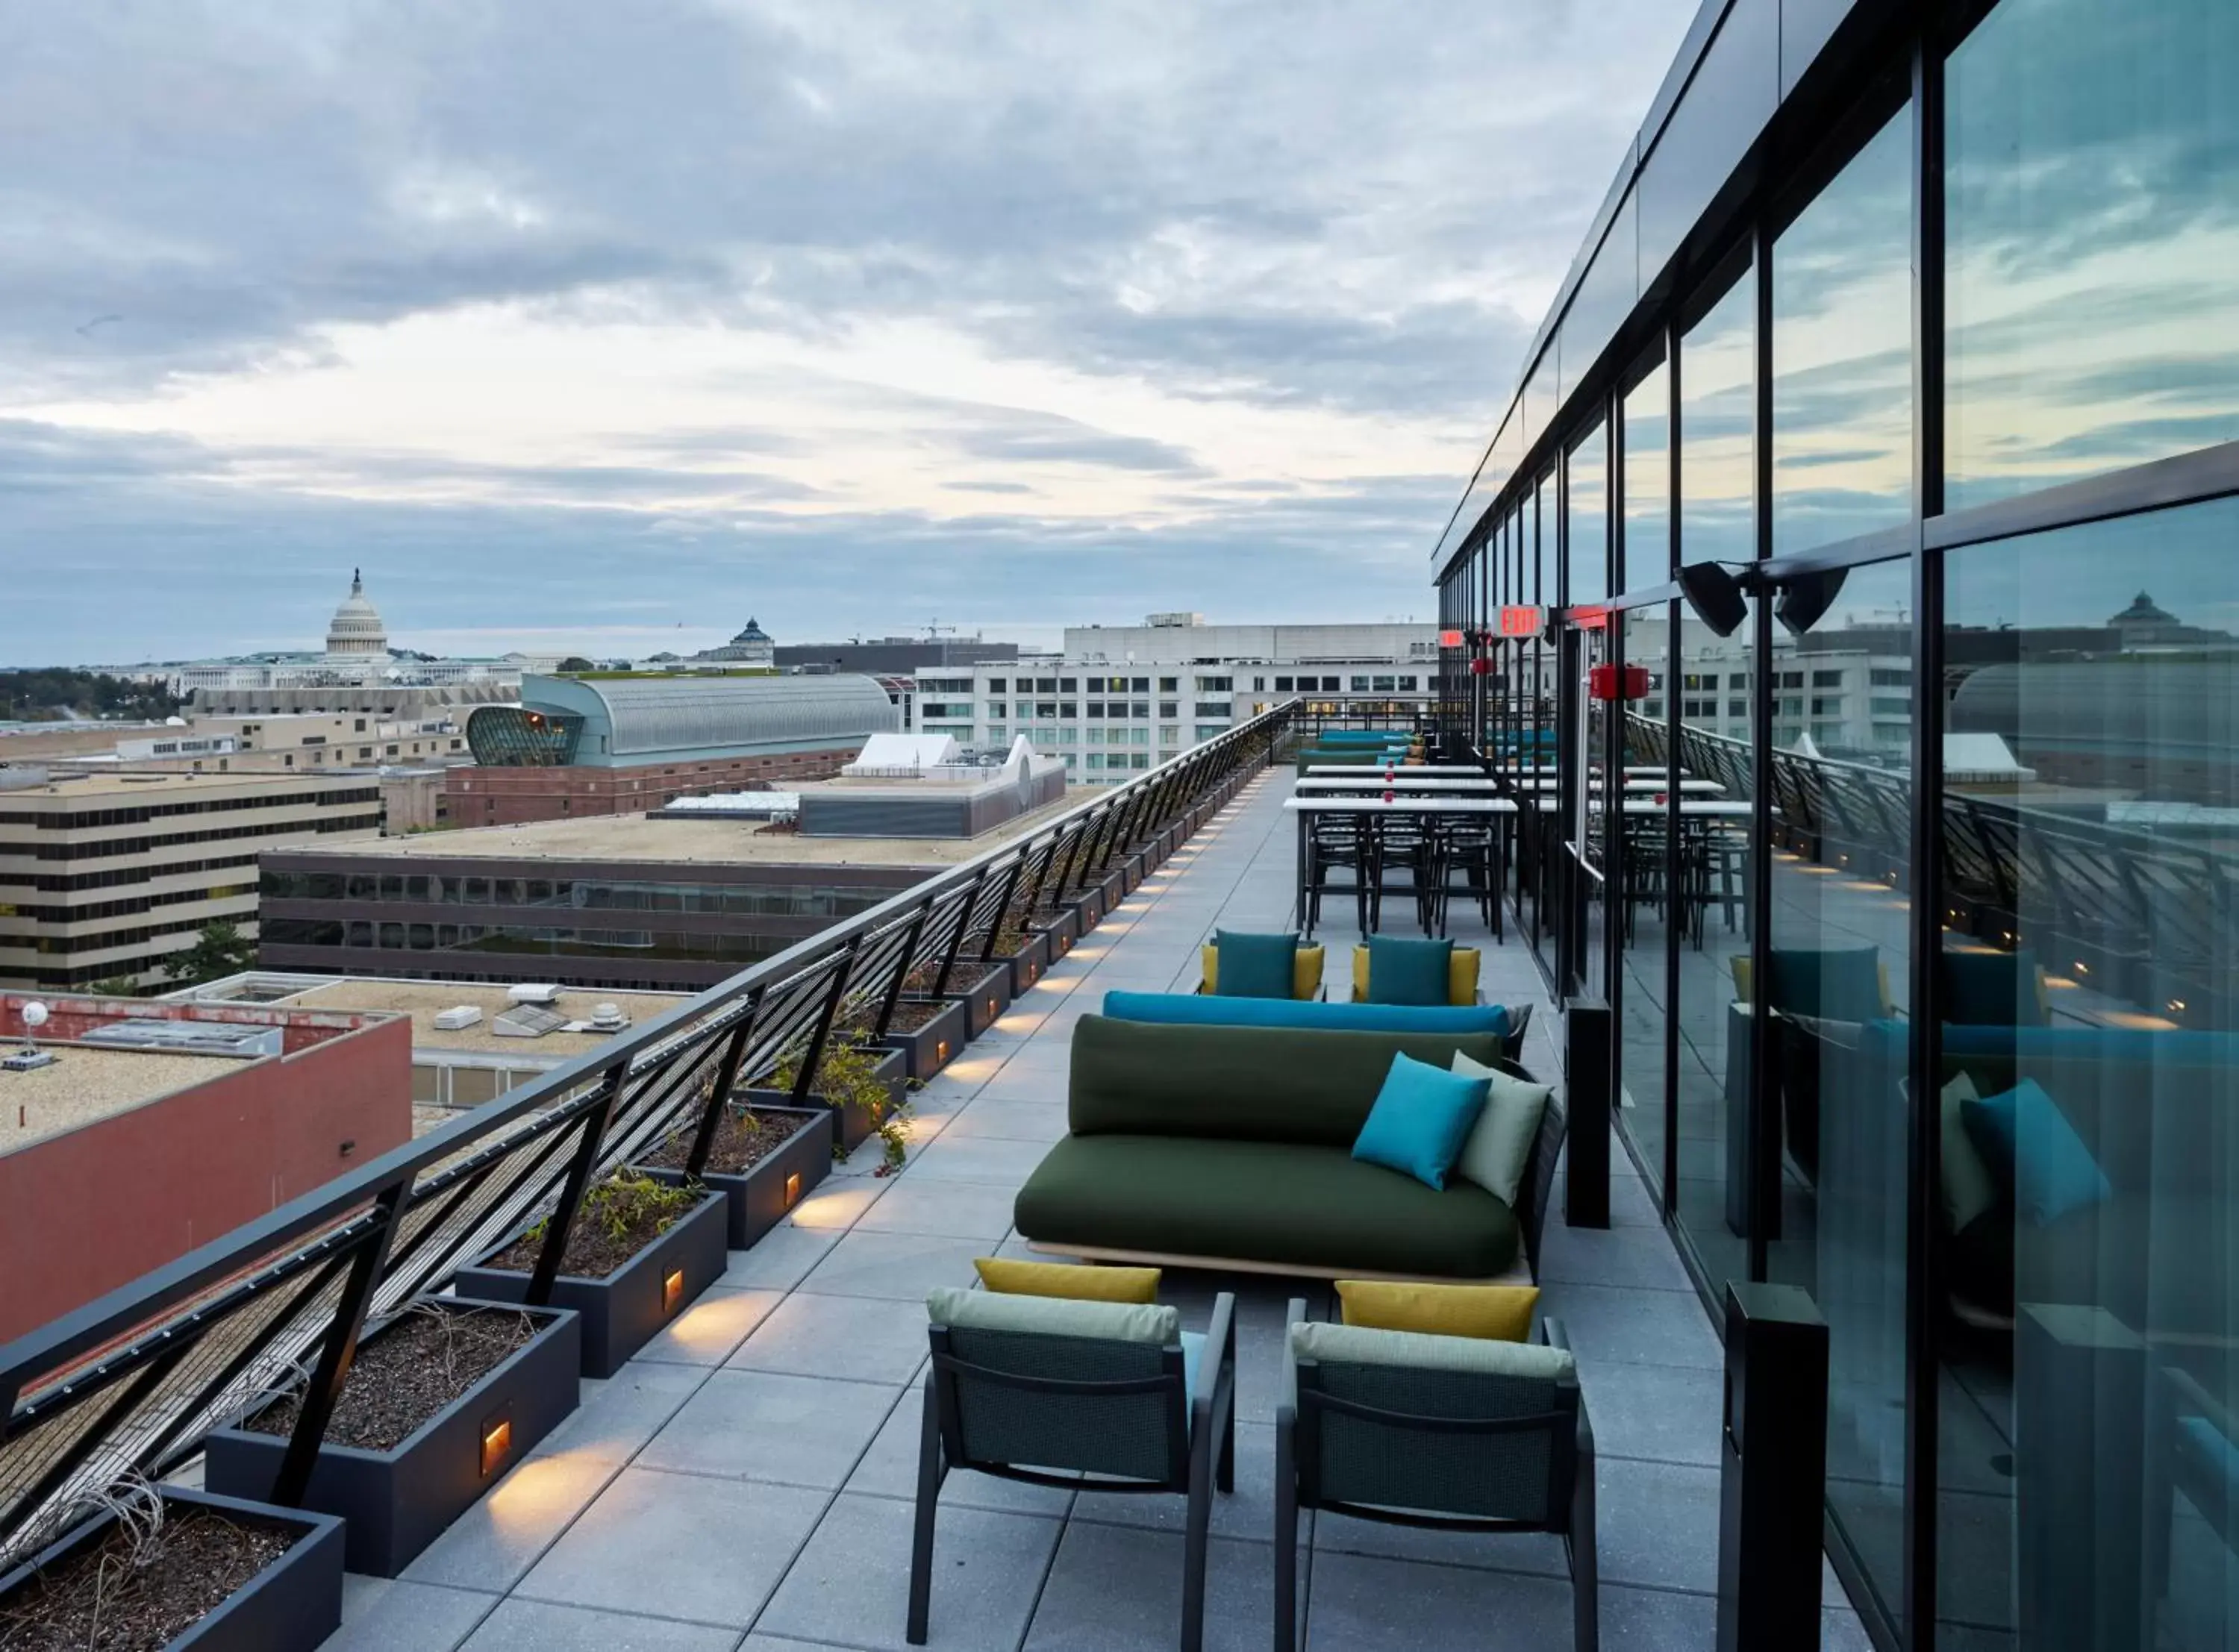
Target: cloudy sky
(608,325)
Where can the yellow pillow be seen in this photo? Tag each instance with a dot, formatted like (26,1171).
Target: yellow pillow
(1461,975)
(1492,1313)
(1067,1279)
(1305,970)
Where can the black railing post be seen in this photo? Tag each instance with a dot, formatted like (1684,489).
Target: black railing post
(1064,871)
(956,941)
(539,1293)
(901,971)
(815,1053)
(340,1348)
(1003,907)
(703,1138)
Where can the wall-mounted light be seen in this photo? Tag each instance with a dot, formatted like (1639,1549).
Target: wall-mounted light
(497,1440)
(940,1049)
(792,1188)
(672,1289)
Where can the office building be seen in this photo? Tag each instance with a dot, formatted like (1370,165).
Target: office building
(892,656)
(1887,421)
(1123,699)
(103,876)
(608,744)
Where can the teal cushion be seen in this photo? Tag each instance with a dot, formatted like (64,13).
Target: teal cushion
(1199,1009)
(2029,1145)
(1990,989)
(1192,1355)
(1405,971)
(1421,1118)
(1252,966)
(1840,986)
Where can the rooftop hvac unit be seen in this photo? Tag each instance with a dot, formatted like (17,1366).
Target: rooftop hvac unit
(527,1021)
(609,1018)
(451,1020)
(534,993)
(26,1060)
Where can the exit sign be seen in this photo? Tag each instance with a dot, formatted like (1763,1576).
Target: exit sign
(1519,621)
(1450,639)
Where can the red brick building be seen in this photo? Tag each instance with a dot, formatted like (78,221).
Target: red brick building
(480,797)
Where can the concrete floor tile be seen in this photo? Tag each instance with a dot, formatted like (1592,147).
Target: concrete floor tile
(1115,1588)
(948,1210)
(542,1625)
(380,1614)
(901,1267)
(765,1425)
(865,1339)
(495,1543)
(706,1332)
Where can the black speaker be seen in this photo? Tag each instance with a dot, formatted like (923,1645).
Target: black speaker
(1715,595)
(1806,599)
(1772,1470)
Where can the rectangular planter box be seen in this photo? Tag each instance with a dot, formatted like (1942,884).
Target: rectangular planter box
(1028,963)
(1115,887)
(932,1046)
(1131,871)
(758,1197)
(292,1605)
(622,1313)
(1088,905)
(987,997)
(393,1503)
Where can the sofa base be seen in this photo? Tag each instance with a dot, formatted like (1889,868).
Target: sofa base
(1520,1274)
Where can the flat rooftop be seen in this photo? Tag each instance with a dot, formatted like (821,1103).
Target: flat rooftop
(87,1082)
(78,784)
(717,842)
(424,1000)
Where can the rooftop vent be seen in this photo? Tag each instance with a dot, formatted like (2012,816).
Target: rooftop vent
(186,1038)
(534,993)
(451,1020)
(26,1060)
(527,1021)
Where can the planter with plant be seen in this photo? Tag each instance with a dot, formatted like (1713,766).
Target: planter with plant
(1064,923)
(1026,954)
(638,1252)
(929,1032)
(865,1087)
(159,1566)
(764,1160)
(439,1402)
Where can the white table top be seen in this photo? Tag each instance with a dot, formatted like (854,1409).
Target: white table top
(1538,783)
(1401,805)
(1376,767)
(1405,780)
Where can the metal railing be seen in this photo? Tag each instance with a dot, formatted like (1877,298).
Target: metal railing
(132,1383)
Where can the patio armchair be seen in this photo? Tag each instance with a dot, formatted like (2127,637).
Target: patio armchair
(1440,1433)
(1044,1390)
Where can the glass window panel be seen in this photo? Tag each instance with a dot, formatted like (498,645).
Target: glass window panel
(2091,873)
(1717,432)
(1650,924)
(1840,921)
(2092,319)
(1842,352)
(1587,501)
(1648,482)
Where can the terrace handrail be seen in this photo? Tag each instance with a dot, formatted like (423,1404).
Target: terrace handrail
(132,1381)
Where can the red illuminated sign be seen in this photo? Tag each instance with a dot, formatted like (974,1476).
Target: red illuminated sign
(1519,621)
(1450,639)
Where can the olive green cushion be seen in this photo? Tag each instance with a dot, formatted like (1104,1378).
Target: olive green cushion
(1241,1083)
(1287,1203)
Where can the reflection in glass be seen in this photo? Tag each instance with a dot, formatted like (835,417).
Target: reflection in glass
(1835,992)
(1587,499)
(1717,432)
(1842,352)
(2091,237)
(2087,1316)
(1648,482)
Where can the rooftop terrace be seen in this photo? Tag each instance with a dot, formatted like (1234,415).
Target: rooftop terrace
(745,1482)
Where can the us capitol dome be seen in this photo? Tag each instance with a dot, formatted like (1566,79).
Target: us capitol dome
(355,636)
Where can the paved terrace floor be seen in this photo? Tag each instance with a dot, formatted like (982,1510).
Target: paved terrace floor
(746,1482)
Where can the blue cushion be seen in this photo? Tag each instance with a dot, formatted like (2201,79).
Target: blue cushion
(1198,1009)
(1844,985)
(1992,989)
(1192,1355)
(1252,966)
(1422,1116)
(2030,1146)
(1404,970)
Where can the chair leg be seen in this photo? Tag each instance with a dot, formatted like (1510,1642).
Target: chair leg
(930,1473)
(1286,1536)
(1585,1564)
(1194,1544)
(1225,1474)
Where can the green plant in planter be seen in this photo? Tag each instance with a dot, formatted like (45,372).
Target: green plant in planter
(624,1204)
(847,1076)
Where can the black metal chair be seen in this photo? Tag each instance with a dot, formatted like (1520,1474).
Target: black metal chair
(1441,1449)
(1047,1410)
(1406,844)
(1338,843)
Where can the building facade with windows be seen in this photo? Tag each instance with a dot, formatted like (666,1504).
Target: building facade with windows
(1889,419)
(105,876)
(1121,699)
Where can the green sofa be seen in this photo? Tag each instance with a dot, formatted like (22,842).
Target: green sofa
(1231,1147)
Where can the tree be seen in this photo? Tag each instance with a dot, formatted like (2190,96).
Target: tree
(577,662)
(117,986)
(219,951)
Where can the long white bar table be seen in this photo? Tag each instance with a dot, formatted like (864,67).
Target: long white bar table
(1306,807)
(1405,780)
(1703,808)
(1537,783)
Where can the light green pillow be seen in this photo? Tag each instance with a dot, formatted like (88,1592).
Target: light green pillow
(1497,1150)
(1420,1350)
(1119,1322)
(1969,1187)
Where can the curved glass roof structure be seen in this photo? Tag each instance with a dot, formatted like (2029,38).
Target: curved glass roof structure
(620,722)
